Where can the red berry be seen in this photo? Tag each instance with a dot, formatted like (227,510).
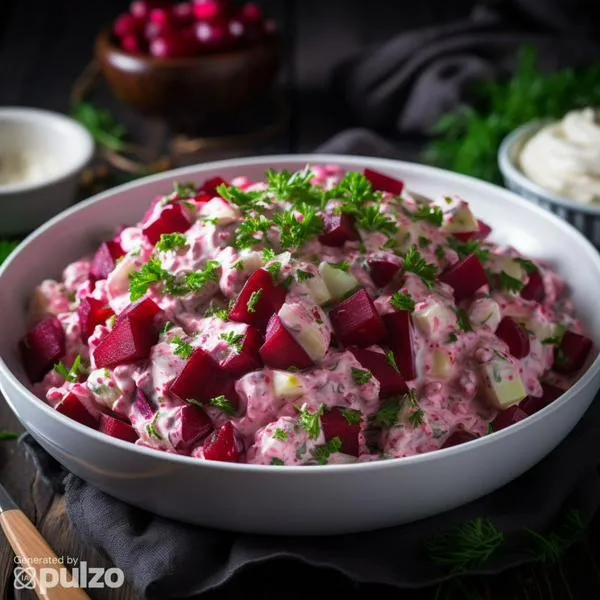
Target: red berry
(132,44)
(251,13)
(183,13)
(213,37)
(140,9)
(162,17)
(126,25)
(206,10)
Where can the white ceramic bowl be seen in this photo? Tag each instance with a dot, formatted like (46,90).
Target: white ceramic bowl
(296,500)
(586,218)
(25,206)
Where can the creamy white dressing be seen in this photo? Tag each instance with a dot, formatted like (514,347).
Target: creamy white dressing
(31,166)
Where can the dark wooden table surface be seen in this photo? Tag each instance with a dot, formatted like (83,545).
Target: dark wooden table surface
(43,49)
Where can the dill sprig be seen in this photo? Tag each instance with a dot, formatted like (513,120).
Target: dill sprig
(551,547)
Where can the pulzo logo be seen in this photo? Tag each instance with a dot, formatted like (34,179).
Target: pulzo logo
(59,576)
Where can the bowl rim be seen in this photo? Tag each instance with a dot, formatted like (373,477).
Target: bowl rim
(75,130)
(105,45)
(511,171)
(347,161)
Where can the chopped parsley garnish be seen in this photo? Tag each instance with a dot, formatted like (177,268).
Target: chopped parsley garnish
(274,268)
(8,435)
(302,275)
(152,429)
(424,242)
(251,231)
(254,300)
(311,421)
(171,241)
(430,213)
(268,254)
(354,417)
(391,244)
(464,249)
(141,281)
(323,453)
(440,253)
(182,348)
(416,418)
(462,318)
(490,428)
(452,337)
(167,327)
(223,405)
(528,266)
(355,188)
(216,311)
(281,435)
(288,186)
(361,376)
(392,360)
(556,339)
(197,280)
(239,197)
(388,415)
(297,230)
(508,283)
(71,375)
(239,265)
(277,461)
(235,340)
(415,263)
(370,218)
(185,191)
(402,301)
(342,266)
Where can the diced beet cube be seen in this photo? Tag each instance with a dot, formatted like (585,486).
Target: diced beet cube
(105,259)
(344,424)
(194,426)
(484,231)
(117,429)
(200,379)
(170,220)
(223,445)
(281,350)
(72,407)
(384,183)
(390,381)
(400,339)
(514,336)
(382,271)
(534,289)
(248,359)
(130,341)
(508,417)
(92,312)
(142,310)
(41,347)
(572,353)
(465,277)
(210,185)
(338,230)
(460,436)
(144,407)
(258,301)
(356,321)
(533,404)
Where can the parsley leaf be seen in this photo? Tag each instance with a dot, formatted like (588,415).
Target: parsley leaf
(356,189)
(268,255)
(251,231)
(297,230)
(311,421)
(431,213)
(402,301)
(277,461)
(462,318)
(235,340)
(323,453)
(452,337)
(354,417)
(440,253)
(152,429)
(416,418)
(342,266)
(509,283)
(464,249)
(424,242)
(238,197)
(528,266)
(372,219)
(223,404)
(8,435)
(559,333)
(171,241)
(196,281)
(281,435)
(392,360)
(361,376)
(71,375)
(185,191)
(415,263)
(286,186)
(387,416)
(254,300)
(182,348)
(302,275)
(150,274)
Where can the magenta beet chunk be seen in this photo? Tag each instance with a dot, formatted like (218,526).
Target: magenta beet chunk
(117,429)
(210,185)
(338,230)
(259,299)
(170,220)
(92,312)
(460,436)
(41,347)
(144,407)
(142,310)
(356,321)
(533,404)
(194,425)
(200,379)
(223,445)
(514,336)
(481,234)
(281,350)
(573,351)
(71,407)
(401,340)
(508,417)
(248,359)
(130,341)
(465,277)
(534,289)
(384,183)
(390,381)
(382,271)
(336,424)
(105,259)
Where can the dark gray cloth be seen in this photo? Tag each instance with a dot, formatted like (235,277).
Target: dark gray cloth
(406,84)
(165,559)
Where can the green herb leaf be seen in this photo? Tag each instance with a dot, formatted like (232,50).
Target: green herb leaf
(254,300)
(402,301)
(361,376)
(171,241)
(372,219)
(342,266)
(387,416)
(245,200)
(416,418)
(424,242)
(311,421)
(462,318)
(508,283)
(431,213)
(224,405)
(152,429)
(281,435)
(6,249)
(251,231)
(302,275)
(323,453)
(102,124)
(465,249)
(277,461)
(8,435)
(235,340)
(194,282)
(392,360)
(71,375)
(528,266)
(182,348)
(354,417)
(452,337)
(297,230)
(415,263)
(185,191)
(150,274)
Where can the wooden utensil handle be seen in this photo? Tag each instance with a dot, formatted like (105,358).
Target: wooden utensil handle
(28,545)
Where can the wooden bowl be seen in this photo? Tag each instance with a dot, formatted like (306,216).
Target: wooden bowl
(187,92)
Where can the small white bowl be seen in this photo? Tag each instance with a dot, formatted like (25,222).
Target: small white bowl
(26,205)
(584,217)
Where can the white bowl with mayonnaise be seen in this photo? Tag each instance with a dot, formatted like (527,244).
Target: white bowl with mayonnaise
(42,155)
(556,164)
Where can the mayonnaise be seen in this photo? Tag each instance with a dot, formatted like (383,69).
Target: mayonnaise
(564,157)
